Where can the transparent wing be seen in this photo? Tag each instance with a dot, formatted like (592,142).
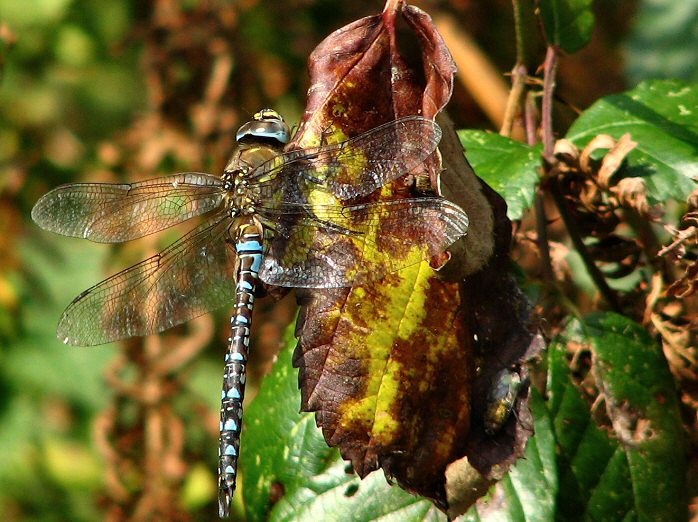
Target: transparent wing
(330,246)
(113,213)
(188,278)
(356,167)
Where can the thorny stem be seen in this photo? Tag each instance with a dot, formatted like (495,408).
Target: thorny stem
(550,71)
(531,119)
(531,123)
(518,74)
(518,31)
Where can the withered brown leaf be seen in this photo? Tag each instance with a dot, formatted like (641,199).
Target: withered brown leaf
(390,368)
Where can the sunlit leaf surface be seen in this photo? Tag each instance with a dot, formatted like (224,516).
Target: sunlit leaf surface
(662,117)
(635,468)
(388,367)
(641,402)
(509,167)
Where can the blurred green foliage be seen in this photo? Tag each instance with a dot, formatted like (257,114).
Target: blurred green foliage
(662,43)
(63,90)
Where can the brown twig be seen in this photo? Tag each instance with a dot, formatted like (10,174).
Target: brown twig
(576,237)
(550,71)
(519,74)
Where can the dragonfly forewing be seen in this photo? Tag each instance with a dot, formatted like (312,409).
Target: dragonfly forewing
(356,167)
(114,213)
(190,277)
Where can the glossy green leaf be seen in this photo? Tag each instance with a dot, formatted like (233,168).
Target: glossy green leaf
(640,396)
(534,478)
(568,23)
(612,498)
(663,42)
(616,475)
(662,117)
(285,457)
(511,168)
(586,451)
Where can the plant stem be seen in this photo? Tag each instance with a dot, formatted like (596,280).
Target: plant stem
(594,272)
(519,30)
(519,74)
(531,118)
(542,236)
(550,71)
(531,123)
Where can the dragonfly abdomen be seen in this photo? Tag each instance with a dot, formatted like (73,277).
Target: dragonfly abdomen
(249,255)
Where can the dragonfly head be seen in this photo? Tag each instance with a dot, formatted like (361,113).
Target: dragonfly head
(267,126)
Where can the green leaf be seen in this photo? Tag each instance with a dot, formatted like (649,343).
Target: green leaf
(568,23)
(612,498)
(585,450)
(534,478)
(509,167)
(663,42)
(662,117)
(641,400)
(638,470)
(284,454)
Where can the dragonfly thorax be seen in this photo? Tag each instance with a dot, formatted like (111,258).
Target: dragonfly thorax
(240,196)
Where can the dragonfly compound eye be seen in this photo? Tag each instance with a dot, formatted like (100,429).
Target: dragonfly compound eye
(266,125)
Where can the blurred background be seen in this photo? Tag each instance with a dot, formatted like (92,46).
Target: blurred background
(114,90)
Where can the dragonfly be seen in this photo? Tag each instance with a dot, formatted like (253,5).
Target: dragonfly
(301,218)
